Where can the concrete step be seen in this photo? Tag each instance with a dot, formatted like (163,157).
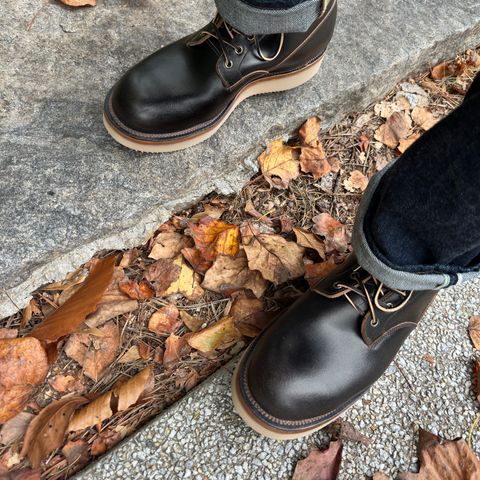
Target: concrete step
(67,190)
(200,437)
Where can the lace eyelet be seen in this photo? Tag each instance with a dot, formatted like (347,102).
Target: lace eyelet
(239,50)
(374,323)
(228,64)
(336,286)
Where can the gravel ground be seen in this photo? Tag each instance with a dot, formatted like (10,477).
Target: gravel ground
(201,438)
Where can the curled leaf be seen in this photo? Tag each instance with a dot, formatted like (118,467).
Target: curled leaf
(214,336)
(279,164)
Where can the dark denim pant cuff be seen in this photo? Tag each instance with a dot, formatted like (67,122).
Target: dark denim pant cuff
(252,20)
(390,275)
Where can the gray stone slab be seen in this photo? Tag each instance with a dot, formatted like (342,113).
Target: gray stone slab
(201,437)
(67,190)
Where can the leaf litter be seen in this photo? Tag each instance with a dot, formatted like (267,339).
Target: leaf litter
(127,334)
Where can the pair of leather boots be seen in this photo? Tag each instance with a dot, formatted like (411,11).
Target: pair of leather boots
(312,363)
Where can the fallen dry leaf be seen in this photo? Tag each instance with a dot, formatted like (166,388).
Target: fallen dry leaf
(79,3)
(394,129)
(163,273)
(424,118)
(445,459)
(175,348)
(335,233)
(131,355)
(380,476)
(442,70)
(67,318)
(474,331)
(168,245)
(22,474)
(105,440)
(94,353)
(309,240)
(67,384)
(345,431)
(320,464)
(165,320)
(229,275)
(46,431)
(476,378)
(314,161)
(215,237)
(279,164)
(214,336)
(116,400)
(76,454)
(136,290)
(310,131)
(248,314)
(24,366)
(187,282)
(192,323)
(356,181)
(277,259)
(194,257)
(314,272)
(129,257)
(15,428)
(408,142)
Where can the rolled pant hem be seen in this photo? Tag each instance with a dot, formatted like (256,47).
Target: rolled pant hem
(389,276)
(252,20)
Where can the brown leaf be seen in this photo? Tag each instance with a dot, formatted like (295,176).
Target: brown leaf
(442,70)
(175,348)
(136,291)
(168,245)
(192,323)
(229,275)
(15,428)
(314,272)
(279,164)
(116,400)
(474,331)
(309,240)
(314,161)
(380,476)
(277,259)
(215,237)
(407,142)
(345,431)
(424,118)
(356,181)
(131,355)
(165,320)
(113,302)
(309,132)
(94,353)
(67,318)
(248,315)
(195,259)
(215,336)
(163,273)
(129,257)
(22,474)
(8,333)
(105,440)
(320,465)
(76,453)
(23,366)
(79,3)
(67,384)
(394,129)
(476,378)
(46,431)
(446,459)
(335,233)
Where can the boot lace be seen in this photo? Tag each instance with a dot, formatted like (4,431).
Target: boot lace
(225,35)
(373,292)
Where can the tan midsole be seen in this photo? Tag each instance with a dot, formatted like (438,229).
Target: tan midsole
(277,84)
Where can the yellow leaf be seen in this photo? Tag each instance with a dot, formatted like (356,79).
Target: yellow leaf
(215,336)
(187,282)
(279,164)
